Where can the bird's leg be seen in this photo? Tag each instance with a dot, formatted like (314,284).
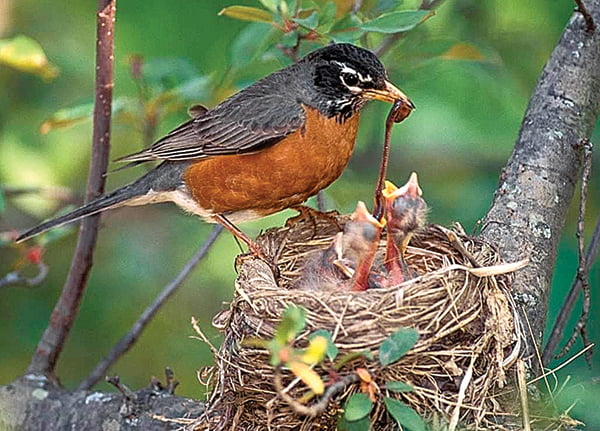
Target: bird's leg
(254,248)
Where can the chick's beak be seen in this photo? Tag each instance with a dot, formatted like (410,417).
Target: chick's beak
(411,189)
(390,94)
(361,214)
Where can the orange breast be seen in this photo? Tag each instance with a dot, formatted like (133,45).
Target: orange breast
(283,175)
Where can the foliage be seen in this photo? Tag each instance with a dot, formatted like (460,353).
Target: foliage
(25,54)
(302,363)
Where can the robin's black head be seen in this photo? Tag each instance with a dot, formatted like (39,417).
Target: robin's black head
(345,77)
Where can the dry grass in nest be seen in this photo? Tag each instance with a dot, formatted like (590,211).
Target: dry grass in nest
(469,332)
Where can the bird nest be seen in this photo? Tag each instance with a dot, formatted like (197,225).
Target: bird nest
(458,301)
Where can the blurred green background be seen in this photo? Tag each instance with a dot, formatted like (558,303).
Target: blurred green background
(468,117)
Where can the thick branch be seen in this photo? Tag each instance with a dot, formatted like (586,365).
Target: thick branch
(65,311)
(537,184)
(34,404)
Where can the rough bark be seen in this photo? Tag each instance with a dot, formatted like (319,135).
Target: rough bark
(33,403)
(537,185)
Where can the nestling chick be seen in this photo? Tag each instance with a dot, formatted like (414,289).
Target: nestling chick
(346,263)
(405,213)
(359,245)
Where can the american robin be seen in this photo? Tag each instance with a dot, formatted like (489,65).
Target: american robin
(405,213)
(346,263)
(359,245)
(266,148)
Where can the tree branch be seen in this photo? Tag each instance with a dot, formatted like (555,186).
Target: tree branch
(134,333)
(537,184)
(567,307)
(65,311)
(36,405)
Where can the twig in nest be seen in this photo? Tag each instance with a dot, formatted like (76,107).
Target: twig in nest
(459,246)
(319,407)
(127,393)
(521,380)
(129,339)
(464,384)
(581,281)
(589,21)
(16,278)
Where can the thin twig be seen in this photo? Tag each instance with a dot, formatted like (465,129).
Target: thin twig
(125,343)
(121,387)
(356,6)
(581,278)
(51,344)
(582,273)
(589,21)
(16,278)
(320,406)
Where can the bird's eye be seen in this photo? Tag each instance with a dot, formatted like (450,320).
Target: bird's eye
(350,79)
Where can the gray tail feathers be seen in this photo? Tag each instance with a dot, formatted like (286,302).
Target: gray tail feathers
(164,177)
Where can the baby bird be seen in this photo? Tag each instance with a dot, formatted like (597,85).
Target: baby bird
(405,213)
(346,263)
(359,245)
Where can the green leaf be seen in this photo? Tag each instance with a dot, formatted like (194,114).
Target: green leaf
(309,22)
(397,345)
(384,6)
(56,233)
(363,424)
(332,350)
(270,4)
(192,90)
(399,387)
(68,117)
(251,43)
(160,74)
(395,22)
(327,17)
(247,13)
(357,407)
(406,417)
(346,29)
(347,36)
(26,55)
(292,322)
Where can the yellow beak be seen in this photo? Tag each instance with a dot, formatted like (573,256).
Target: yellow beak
(390,94)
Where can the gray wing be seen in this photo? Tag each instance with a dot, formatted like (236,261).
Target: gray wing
(246,122)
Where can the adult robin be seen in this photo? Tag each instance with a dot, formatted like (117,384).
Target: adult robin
(266,148)
(405,213)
